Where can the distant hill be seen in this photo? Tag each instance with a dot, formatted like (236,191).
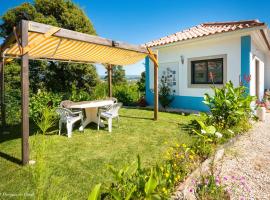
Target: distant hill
(129,77)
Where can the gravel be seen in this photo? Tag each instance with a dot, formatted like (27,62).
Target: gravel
(245,167)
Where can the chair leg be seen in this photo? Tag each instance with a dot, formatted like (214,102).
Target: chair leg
(60,127)
(98,122)
(110,124)
(69,129)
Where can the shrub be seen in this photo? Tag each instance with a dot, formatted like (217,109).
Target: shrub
(229,106)
(41,100)
(128,94)
(13,106)
(165,97)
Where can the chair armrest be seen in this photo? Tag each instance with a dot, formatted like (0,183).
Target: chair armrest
(76,112)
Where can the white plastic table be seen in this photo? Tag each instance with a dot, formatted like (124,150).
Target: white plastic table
(91,110)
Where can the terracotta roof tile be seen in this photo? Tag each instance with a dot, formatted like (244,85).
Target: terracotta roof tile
(205,29)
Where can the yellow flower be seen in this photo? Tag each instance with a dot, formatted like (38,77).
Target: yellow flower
(182,156)
(184,145)
(167,175)
(174,165)
(177,145)
(191,157)
(164,189)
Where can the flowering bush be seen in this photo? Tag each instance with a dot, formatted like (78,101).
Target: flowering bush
(136,182)
(217,187)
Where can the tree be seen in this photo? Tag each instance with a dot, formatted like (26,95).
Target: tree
(118,75)
(62,13)
(141,83)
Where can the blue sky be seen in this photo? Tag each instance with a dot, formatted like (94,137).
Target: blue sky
(139,21)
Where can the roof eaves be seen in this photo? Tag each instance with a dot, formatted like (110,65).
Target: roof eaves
(208,36)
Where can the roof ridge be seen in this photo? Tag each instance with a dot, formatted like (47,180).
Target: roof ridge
(233,22)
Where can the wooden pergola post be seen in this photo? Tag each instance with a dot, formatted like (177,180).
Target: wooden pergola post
(155,89)
(109,72)
(154,58)
(25,92)
(2,87)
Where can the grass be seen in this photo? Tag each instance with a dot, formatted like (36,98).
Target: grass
(72,166)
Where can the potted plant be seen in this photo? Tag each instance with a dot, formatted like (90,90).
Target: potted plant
(261,110)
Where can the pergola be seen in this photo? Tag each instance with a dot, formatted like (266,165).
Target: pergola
(35,41)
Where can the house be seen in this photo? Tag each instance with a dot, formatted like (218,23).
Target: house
(190,60)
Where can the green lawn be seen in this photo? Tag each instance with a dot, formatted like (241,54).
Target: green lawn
(72,166)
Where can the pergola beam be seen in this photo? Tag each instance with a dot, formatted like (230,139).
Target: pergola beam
(65,33)
(25,93)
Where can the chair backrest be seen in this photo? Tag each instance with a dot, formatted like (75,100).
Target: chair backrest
(113,99)
(113,110)
(64,113)
(66,104)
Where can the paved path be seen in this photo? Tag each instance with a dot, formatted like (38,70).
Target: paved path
(245,167)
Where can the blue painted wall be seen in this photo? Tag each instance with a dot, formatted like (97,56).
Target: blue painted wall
(245,60)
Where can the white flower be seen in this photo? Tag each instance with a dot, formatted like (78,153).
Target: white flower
(203,131)
(218,134)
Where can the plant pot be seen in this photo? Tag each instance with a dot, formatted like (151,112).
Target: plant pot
(261,112)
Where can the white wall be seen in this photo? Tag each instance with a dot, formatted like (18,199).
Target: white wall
(257,54)
(230,45)
(267,71)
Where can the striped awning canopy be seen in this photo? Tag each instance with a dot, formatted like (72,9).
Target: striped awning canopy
(53,43)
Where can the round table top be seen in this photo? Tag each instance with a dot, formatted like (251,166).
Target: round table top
(91,104)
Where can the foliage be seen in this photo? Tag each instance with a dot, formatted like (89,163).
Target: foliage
(206,135)
(42,100)
(209,188)
(126,93)
(52,76)
(141,83)
(229,106)
(165,97)
(47,120)
(137,182)
(95,194)
(118,75)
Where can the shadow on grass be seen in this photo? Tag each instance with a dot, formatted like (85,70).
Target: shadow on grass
(134,117)
(10,158)
(12,132)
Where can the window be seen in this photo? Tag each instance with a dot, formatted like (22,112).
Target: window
(207,71)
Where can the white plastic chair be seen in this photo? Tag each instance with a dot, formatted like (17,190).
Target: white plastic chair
(109,114)
(69,118)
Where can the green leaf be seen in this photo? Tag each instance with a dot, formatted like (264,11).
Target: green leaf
(131,192)
(95,194)
(210,129)
(116,195)
(151,184)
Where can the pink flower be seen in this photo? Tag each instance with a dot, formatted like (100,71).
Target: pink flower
(225,178)
(191,190)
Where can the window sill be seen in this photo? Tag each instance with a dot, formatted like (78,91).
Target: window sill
(204,85)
